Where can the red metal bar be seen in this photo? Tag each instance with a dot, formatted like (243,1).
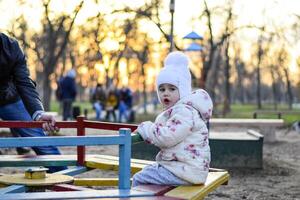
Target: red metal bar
(80,132)
(80,125)
(108,126)
(69,124)
(34,124)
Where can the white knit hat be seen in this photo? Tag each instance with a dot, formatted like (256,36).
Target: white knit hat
(177,73)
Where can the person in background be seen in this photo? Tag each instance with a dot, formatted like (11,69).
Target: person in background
(111,105)
(125,104)
(19,99)
(98,100)
(180,131)
(68,93)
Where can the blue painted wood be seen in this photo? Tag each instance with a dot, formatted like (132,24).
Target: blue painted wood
(123,140)
(73,171)
(12,189)
(61,141)
(76,195)
(124,159)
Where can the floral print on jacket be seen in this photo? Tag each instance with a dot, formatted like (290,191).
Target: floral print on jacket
(181,134)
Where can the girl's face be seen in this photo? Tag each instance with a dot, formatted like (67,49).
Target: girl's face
(168,95)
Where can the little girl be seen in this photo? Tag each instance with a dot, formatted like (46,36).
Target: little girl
(180,131)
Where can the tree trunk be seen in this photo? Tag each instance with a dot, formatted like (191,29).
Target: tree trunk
(227,100)
(240,76)
(274,89)
(259,57)
(289,89)
(46,94)
(213,80)
(144,90)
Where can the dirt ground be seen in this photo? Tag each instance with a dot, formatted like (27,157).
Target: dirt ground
(278,179)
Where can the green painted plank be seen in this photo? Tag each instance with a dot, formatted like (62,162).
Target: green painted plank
(136,138)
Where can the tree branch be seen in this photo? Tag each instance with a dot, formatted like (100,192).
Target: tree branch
(66,38)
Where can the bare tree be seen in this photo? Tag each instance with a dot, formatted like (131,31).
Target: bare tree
(273,69)
(215,71)
(143,58)
(260,53)
(214,42)
(239,65)
(283,60)
(227,97)
(49,44)
(151,11)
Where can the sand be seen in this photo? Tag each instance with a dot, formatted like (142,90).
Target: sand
(278,179)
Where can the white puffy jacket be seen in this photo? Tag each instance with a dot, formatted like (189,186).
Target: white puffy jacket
(182,135)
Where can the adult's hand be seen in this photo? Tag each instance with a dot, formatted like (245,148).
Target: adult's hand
(49,125)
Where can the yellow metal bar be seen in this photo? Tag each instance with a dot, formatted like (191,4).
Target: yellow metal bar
(112,164)
(115,158)
(102,164)
(96,181)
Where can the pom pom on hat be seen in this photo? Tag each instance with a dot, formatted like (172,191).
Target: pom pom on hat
(177,73)
(176,58)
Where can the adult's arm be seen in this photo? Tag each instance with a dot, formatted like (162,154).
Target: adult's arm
(25,86)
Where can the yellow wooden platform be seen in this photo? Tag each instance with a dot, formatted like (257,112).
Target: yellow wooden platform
(216,177)
(214,180)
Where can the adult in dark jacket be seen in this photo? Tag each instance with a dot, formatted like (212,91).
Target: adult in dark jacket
(68,93)
(19,99)
(125,105)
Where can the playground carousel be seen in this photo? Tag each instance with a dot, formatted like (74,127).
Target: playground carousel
(35,183)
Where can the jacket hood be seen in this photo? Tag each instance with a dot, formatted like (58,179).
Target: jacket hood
(201,101)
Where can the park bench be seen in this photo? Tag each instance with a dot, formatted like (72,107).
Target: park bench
(278,113)
(266,127)
(81,163)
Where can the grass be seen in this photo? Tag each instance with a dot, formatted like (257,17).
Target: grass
(237,111)
(55,106)
(247,110)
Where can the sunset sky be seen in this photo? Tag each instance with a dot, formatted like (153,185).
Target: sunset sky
(275,12)
(249,11)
